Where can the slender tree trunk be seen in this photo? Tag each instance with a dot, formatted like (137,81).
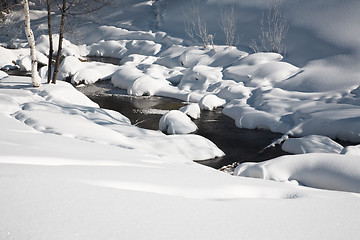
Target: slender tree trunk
(61,37)
(51,49)
(35,78)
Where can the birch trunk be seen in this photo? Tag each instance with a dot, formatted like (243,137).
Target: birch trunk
(35,78)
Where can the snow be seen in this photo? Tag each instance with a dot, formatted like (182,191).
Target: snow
(82,171)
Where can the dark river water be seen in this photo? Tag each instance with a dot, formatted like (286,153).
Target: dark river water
(239,145)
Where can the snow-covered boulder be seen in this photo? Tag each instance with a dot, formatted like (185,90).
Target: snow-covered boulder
(176,122)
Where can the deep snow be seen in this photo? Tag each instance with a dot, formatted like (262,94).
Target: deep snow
(85,172)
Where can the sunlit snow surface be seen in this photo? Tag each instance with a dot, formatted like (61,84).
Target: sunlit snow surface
(70,170)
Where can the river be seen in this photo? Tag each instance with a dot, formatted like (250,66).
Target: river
(239,145)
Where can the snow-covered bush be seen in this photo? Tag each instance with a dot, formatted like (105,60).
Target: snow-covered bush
(195,27)
(228,24)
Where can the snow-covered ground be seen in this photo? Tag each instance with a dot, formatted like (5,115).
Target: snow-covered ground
(71,170)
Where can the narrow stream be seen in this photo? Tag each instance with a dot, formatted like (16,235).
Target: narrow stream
(239,145)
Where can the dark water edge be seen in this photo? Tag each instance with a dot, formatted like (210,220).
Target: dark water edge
(239,145)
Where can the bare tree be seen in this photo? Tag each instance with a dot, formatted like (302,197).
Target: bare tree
(35,78)
(274,28)
(195,26)
(227,24)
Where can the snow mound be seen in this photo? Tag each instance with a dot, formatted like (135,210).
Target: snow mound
(317,170)
(176,122)
(311,144)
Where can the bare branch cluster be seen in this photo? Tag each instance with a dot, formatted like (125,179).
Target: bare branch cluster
(274,28)
(227,24)
(195,27)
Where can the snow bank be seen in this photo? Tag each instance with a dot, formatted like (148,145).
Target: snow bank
(317,170)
